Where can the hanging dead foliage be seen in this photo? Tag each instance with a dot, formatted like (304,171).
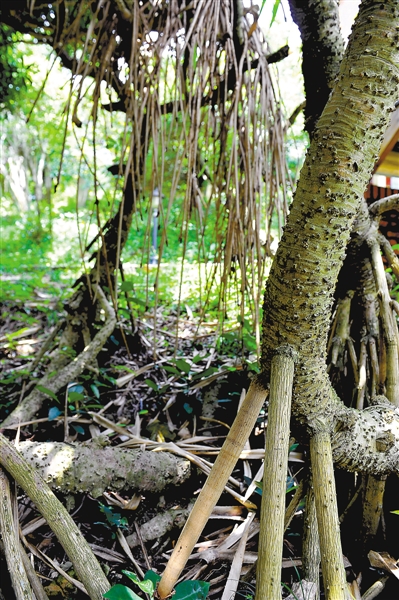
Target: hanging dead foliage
(202,123)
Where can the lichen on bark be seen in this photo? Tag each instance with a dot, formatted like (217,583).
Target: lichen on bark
(85,467)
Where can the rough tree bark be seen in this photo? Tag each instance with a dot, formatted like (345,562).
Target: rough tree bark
(322,52)
(300,289)
(94,469)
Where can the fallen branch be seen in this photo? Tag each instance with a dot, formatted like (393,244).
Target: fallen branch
(162,523)
(87,467)
(19,579)
(58,518)
(55,381)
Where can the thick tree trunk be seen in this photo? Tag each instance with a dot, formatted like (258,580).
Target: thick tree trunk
(301,285)
(300,289)
(322,50)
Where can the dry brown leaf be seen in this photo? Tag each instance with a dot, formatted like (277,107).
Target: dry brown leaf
(383,560)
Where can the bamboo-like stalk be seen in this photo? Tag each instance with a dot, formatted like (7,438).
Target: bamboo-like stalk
(310,544)
(58,518)
(19,579)
(210,494)
(375,488)
(271,535)
(388,324)
(327,517)
(372,507)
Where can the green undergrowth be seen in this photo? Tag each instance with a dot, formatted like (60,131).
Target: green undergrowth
(186,590)
(39,265)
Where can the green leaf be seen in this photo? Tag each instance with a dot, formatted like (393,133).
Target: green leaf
(75,396)
(249,341)
(131,576)
(53,413)
(112,517)
(126,286)
(206,373)
(262,6)
(395,512)
(78,389)
(197,358)
(191,590)
(121,592)
(146,585)
(48,392)
(16,334)
(171,370)
(274,13)
(154,577)
(95,390)
(151,384)
(182,365)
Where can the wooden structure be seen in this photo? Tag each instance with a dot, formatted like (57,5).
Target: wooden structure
(385,180)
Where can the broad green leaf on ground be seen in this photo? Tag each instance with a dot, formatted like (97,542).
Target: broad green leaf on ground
(183,365)
(152,576)
(121,592)
(191,590)
(147,585)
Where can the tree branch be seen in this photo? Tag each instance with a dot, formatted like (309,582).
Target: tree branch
(383,205)
(67,532)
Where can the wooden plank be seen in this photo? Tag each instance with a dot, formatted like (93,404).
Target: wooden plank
(390,138)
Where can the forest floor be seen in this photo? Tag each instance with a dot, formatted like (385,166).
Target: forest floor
(176,386)
(175,383)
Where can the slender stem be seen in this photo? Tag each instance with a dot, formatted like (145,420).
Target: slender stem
(389,325)
(375,488)
(311,545)
(327,517)
(275,477)
(19,579)
(58,518)
(210,494)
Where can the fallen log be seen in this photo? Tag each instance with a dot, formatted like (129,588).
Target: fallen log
(88,467)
